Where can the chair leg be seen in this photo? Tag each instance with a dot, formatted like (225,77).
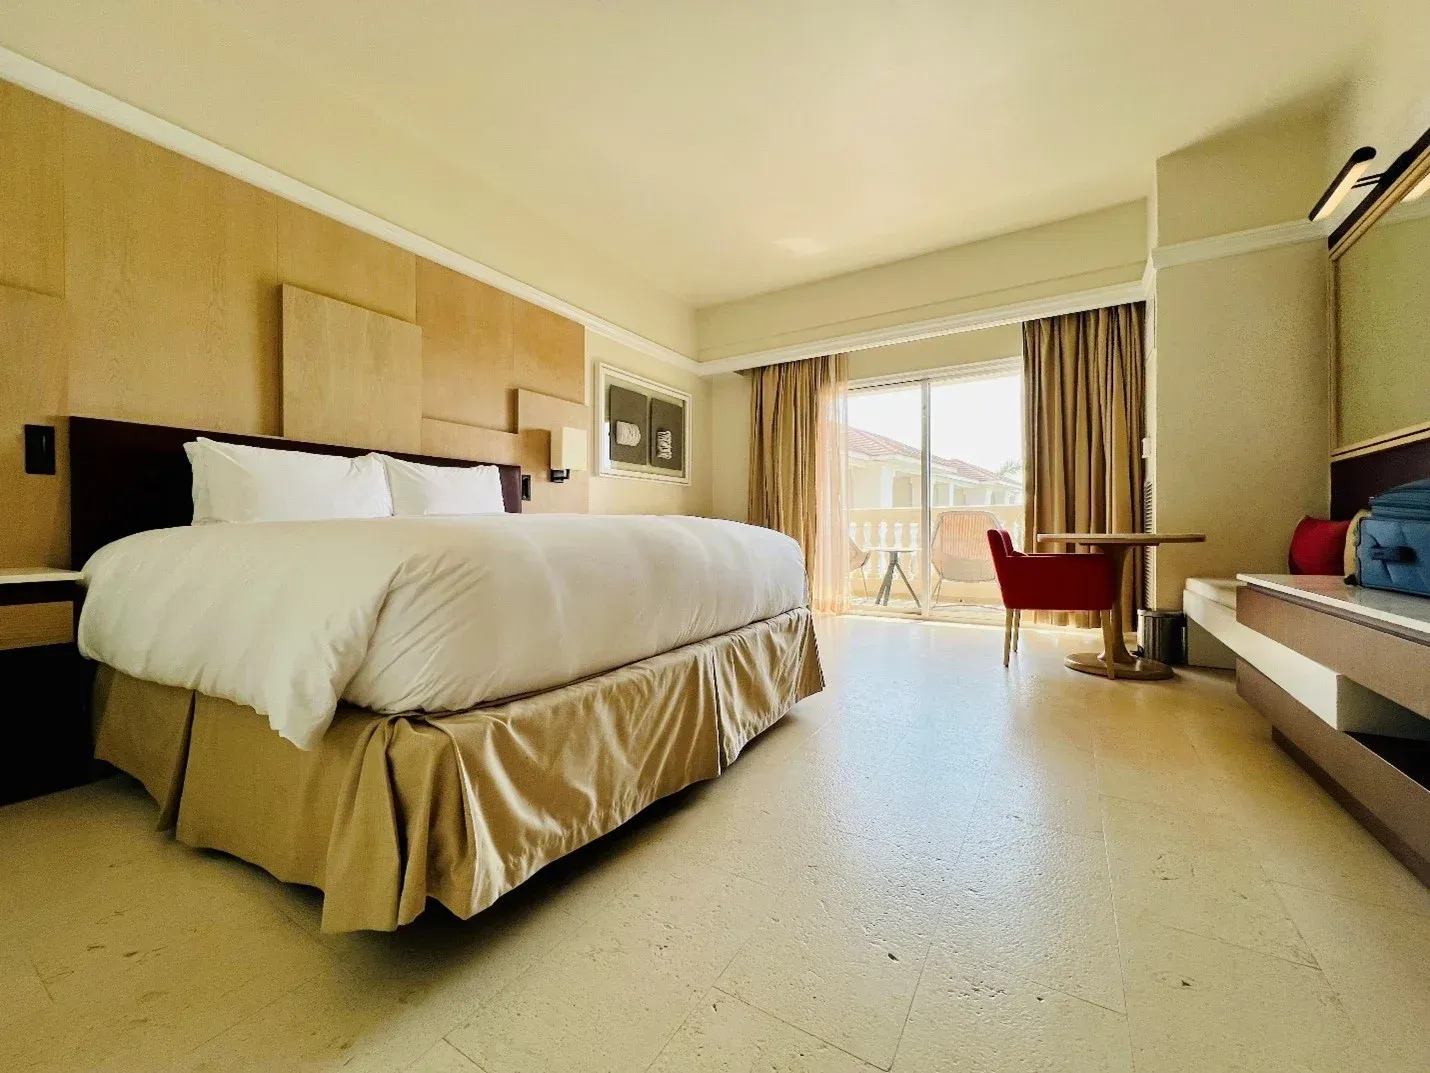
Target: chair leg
(938,588)
(1007,634)
(1109,633)
(1017,628)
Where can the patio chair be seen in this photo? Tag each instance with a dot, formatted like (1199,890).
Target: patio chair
(959,549)
(859,560)
(1057,582)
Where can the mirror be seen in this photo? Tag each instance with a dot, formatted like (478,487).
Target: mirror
(1381,261)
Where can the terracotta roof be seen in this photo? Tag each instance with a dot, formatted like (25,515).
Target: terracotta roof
(864,442)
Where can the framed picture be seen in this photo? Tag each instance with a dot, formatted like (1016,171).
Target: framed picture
(642,428)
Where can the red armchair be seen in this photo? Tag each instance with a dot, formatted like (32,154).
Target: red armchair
(1061,582)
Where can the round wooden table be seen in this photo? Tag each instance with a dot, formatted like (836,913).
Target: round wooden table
(1116,546)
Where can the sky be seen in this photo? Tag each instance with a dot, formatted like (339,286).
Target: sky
(979,421)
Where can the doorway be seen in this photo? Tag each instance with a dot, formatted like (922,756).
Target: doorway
(931,465)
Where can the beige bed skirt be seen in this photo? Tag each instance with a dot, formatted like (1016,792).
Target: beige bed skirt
(391,810)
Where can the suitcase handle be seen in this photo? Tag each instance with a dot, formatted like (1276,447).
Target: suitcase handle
(1383,553)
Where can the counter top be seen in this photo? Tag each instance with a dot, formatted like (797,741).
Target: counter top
(1394,608)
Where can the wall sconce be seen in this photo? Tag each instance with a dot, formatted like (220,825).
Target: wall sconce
(568,452)
(1351,176)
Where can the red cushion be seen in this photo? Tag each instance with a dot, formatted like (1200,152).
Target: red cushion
(1319,546)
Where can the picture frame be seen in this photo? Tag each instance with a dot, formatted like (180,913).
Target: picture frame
(642,429)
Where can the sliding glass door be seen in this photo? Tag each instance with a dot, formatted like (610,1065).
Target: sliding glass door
(932,465)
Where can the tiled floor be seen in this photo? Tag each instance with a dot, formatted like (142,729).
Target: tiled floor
(935,865)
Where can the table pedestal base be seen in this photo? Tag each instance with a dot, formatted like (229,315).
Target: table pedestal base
(1132,667)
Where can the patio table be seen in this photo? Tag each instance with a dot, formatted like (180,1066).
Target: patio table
(893,551)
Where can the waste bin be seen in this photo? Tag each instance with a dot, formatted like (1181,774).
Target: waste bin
(1162,635)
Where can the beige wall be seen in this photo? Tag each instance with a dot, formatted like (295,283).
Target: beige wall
(1094,250)
(1264,173)
(730,446)
(627,495)
(171,58)
(941,352)
(1240,411)
(1239,394)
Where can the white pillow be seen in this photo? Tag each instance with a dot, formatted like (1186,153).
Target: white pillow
(236,483)
(418,489)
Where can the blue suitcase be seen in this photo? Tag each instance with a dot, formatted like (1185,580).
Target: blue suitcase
(1393,544)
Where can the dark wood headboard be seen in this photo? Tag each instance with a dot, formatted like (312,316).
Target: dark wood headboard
(1355,480)
(126,477)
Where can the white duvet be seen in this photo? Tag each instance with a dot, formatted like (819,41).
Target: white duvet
(420,614)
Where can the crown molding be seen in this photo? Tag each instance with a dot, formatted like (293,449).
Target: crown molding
(1032,309)
(1238,242)
(48,82)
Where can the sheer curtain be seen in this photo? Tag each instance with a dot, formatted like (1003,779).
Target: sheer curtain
(1083,427)
(797,435)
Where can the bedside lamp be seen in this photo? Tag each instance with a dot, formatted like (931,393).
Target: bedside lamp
(568,452)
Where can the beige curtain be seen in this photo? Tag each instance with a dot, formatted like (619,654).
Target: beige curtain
(797,423)
(1083,427)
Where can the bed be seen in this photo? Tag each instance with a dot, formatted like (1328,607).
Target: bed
(394,710)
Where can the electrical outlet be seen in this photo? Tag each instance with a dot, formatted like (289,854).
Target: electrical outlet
(40,449)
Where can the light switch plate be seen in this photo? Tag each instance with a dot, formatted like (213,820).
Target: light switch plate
(40,449)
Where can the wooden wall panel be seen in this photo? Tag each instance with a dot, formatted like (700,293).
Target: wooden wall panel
(171,279)
(537,415)
(164,305)
(548,353)
(452,440)
(34,353)
(329,258)
(350,376)
(466,349)
(32,238)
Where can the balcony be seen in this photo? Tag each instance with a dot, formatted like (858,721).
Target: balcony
(900,527)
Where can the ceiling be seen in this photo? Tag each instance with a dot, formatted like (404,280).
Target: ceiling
(723,148)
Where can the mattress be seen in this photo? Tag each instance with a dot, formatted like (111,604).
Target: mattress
(403,615)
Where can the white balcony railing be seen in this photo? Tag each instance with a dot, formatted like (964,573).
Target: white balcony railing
(900,527)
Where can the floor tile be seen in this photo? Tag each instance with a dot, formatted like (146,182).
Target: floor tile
(1037,902)
(1190,789)
(1304,838)
(911,868)
(1197,872)
(724,1035)
(22,994)
(442,1057)
(840,957)
(1378,962)
(981,1020)
(1056,788)
(1194,1003)
(610,997)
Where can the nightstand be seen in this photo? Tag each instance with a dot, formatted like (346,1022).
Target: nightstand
(43,709)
